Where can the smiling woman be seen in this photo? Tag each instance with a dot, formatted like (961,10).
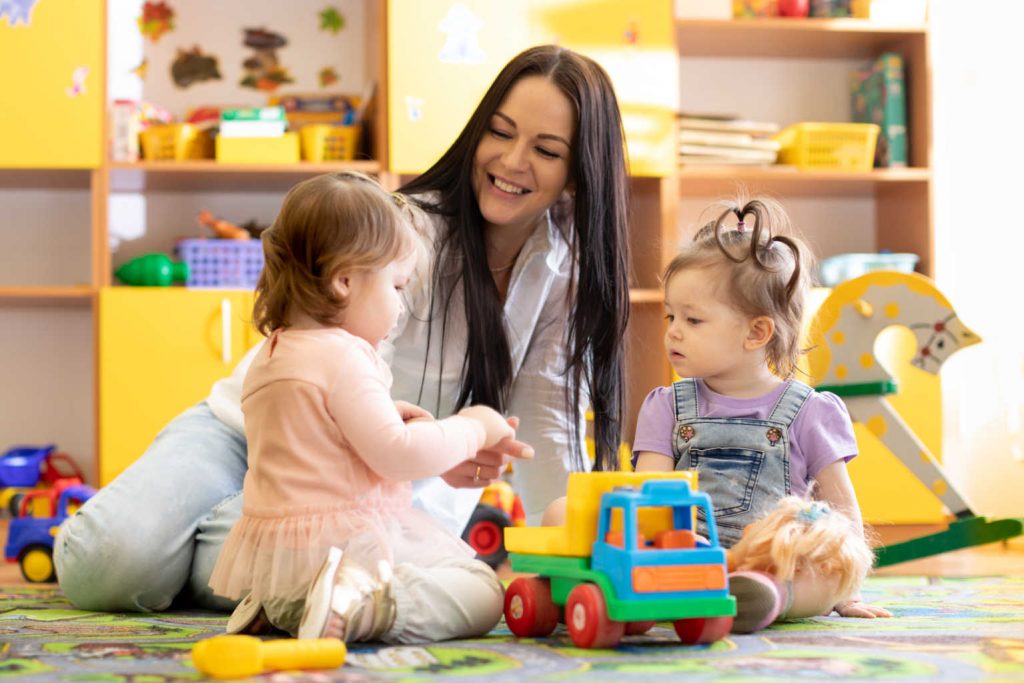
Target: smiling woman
(531,202)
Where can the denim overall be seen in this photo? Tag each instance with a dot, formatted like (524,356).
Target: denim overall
(742,463)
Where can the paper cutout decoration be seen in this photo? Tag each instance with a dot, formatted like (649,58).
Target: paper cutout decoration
(17,11)
(262,70)
(192,66)
(461,45)
(142,69)
(331,20)
(328,76)
(77,82)
(414,108)
(157,19)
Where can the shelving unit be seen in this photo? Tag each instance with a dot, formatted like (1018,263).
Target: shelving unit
(899,200)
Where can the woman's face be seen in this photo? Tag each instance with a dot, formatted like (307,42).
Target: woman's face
(521,165)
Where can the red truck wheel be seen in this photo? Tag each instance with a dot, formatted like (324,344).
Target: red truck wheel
(702,630)
(586,616)
(529,611)
(638,628)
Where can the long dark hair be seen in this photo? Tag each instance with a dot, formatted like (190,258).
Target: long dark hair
(597,226)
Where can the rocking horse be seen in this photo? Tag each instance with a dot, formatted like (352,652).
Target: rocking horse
(842,360)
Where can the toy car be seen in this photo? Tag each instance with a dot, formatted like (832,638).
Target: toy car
(30,538)
(498,509)
(626,557)
(22,468)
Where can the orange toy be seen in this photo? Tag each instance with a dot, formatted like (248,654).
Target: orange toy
(222,228)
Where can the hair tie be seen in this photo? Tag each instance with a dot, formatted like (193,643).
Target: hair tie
(399,200)
(740,227)
(813,512)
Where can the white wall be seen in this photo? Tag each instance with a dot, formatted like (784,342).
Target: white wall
(977,61)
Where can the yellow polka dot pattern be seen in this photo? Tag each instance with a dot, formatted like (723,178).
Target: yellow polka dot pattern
(892,310)
(838,337)
(841,372)
(876,425)
(866,360)
(940,487)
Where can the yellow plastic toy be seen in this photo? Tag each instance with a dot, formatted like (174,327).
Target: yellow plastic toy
(576,536)
(245,656)
(843,361)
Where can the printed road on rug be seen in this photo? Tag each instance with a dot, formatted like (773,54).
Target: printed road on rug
(944,630)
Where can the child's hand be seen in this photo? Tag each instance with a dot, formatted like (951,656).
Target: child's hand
(856,608)
(488,464)
(496,428)
(410,412)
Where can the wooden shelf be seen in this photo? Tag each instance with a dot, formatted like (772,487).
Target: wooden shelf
(705,180)
(646,296)
(54,295)
(213,176)
(800,38)
(45,178)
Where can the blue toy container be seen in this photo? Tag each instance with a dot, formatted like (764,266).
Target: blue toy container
(20,466)
(222,263)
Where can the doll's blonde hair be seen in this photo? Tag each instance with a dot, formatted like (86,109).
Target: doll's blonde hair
(807,535)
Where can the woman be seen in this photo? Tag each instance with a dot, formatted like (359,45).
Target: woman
(524,310)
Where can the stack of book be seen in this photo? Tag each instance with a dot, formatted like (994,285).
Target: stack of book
(253,122)
(706,140)
(879,96)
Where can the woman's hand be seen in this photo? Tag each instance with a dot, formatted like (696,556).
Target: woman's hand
(856,608)
(410,412)
(487,465)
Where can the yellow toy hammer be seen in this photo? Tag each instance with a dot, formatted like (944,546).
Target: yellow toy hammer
(244,656)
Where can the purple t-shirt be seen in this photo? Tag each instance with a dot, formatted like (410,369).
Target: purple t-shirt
(820,435)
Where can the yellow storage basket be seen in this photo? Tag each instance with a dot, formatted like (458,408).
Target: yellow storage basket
(322,142)
(177,141)
(829,146)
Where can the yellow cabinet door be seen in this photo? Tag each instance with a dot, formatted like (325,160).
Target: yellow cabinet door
(442,56)
(52,83)
(160,352)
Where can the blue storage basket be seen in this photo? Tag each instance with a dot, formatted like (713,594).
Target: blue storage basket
(233,264)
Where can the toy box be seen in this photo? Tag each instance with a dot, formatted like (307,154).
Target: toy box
(232,264)
(848,266)
(829,146)
(283,149)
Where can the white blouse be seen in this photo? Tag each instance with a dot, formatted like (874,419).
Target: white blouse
(536,317)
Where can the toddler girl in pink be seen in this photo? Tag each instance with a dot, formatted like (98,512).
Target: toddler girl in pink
(329,543)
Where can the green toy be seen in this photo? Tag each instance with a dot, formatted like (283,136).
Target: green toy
(152,270)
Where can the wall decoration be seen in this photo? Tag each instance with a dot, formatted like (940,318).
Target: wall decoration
(141,69)
(328,76)
(17,11)
(414,108)
(192,66)
(461,45)
(262,70)
(157,19)
(77,82)
(331,20)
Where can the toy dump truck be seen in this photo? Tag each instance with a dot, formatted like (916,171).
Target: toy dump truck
(626,557)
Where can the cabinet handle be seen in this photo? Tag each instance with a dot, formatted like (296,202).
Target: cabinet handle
(225,331)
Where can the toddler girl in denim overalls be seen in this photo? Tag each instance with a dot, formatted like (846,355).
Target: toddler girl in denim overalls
(735,301)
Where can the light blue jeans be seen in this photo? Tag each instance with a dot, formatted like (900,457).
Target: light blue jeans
(153,534)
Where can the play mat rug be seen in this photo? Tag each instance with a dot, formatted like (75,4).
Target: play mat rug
(945,630)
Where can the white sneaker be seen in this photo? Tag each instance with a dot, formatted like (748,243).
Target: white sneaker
(346,601)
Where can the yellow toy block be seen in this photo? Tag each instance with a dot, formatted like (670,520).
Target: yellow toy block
(576,536)
(280,150)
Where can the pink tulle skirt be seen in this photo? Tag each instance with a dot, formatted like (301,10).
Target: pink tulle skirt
(278,556)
